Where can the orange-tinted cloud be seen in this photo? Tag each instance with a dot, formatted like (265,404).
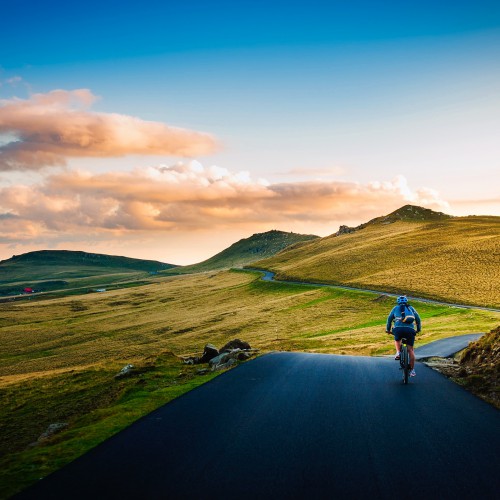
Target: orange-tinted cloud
(49,128)
(187,197)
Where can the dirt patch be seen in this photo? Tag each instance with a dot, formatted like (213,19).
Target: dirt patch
(477,368)
(381,298)
(77,306)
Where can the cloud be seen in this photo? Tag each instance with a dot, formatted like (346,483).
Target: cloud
(190,197)
(50,128)
(15,80)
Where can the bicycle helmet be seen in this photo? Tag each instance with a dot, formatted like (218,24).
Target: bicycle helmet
(402,299)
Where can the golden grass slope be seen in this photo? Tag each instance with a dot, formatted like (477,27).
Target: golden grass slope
(182,314)
(454,260)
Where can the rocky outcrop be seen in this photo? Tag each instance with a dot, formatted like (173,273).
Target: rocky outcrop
(224,366)
(209,353)
(229,358)
(345,230)
(229,355)
(235,344)
(406,213)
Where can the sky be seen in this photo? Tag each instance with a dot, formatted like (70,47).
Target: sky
(169,130)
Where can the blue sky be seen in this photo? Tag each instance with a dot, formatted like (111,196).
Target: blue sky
(56,32)
(342,93)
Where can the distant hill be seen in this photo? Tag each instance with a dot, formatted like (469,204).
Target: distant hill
(408,213)
(76,258)
(47,270)
(248,250)
(412,250)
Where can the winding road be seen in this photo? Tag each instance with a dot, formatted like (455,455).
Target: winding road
(304,426)
(269,276)
(443,348)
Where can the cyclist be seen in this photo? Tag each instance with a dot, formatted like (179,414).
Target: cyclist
(405,317)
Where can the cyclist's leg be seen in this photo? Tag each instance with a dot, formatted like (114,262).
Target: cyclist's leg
(412,357)
(396,331)
(397,344)
(411,352)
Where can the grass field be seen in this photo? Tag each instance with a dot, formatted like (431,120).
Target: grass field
(58,357)
(454,260)
(51,271)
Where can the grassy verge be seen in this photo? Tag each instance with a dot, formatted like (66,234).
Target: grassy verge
(91,401)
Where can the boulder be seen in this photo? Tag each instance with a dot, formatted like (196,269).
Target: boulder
(221,358)
(126,371)
(51,430)
(222,366)
(227,359)
(235,344)
(209,353)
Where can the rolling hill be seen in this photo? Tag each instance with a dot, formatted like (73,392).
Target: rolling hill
(248,250)
(47,270)
(412,250)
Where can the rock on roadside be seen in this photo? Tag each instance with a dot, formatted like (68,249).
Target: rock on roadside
(235,344)
(49,432)
(209,353)
(126,371)
(232,352)
(227,359)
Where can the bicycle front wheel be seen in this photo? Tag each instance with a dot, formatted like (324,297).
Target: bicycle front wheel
(405,361)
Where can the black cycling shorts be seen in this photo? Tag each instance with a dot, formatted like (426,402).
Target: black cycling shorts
(404,332)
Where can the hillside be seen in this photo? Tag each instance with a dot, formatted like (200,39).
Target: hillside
(248,250)
(412,250)
(47,270)
(479,367)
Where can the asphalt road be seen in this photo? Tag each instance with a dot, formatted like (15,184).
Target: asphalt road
(445,348)
(296,425)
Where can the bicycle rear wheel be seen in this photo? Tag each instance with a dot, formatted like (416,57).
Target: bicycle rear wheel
(405,363)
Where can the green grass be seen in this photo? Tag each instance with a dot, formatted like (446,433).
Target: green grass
(91,401)
(72,272)
(58,357)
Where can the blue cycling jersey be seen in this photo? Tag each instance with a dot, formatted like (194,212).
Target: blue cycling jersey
(395,316)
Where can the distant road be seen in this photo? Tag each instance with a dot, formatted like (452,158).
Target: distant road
(299,426)
(445,348)
(269,276)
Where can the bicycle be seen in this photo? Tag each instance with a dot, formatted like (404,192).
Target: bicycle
(404,361)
